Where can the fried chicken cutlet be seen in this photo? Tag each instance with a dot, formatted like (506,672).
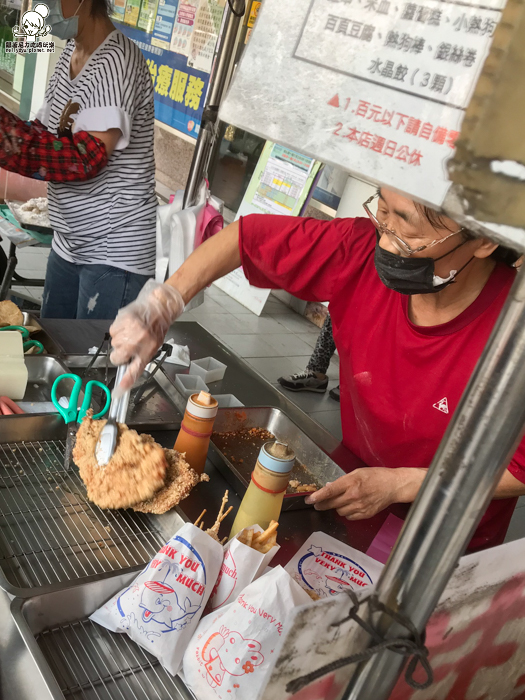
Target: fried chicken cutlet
(136,471)
(180,479)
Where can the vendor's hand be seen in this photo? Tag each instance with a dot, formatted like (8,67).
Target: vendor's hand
(140,328)
(364,492)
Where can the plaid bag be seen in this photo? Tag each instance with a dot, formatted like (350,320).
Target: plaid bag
(29,149)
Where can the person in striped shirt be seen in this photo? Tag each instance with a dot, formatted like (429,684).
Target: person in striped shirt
(92,142)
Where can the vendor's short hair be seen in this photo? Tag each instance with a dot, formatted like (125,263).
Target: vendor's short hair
(502,254)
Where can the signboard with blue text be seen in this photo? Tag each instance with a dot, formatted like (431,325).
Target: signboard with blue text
(180,91)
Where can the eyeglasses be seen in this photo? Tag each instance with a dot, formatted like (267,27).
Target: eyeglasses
(403,248)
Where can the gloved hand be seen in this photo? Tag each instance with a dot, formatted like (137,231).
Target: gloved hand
(140,328)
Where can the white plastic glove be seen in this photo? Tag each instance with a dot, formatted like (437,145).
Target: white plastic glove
(140,328)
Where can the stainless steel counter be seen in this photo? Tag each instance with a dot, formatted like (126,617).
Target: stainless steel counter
(20,678)
(240,379)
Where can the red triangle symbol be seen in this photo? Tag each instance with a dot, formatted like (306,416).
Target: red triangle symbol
(334,102)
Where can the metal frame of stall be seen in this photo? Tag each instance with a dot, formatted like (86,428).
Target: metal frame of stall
(234,13)
(466,468)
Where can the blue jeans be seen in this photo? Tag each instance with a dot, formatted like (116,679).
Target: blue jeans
(87,291)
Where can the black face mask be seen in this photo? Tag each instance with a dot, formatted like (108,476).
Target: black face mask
(411,275)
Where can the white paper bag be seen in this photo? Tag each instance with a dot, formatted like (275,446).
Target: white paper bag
(232,649)
(241,565)
(328,567)
(161,608)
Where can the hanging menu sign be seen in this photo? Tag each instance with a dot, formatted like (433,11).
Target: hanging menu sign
(377,87)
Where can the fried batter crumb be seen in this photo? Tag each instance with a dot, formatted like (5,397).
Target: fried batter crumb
(180,479)
(297,487)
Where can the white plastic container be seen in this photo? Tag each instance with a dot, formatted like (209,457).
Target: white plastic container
(227,400)
(13,370)
(208,368)
(188,384)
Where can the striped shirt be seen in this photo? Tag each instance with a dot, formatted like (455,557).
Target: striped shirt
(109,219)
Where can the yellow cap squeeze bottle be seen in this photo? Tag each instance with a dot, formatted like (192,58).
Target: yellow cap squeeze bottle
(263,499)
(196,429)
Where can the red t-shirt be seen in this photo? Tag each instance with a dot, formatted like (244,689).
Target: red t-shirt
(400,383)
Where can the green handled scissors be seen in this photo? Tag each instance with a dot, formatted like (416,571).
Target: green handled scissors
(72,413)
(27,342)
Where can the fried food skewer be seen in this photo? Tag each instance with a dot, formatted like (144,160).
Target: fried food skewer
(200,518)
(214,530)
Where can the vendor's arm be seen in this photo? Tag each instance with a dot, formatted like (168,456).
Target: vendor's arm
(140,327)
(302,256)
(509,487)
(213,259)
(364,492)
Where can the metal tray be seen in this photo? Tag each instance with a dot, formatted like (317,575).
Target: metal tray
(42,372)
(76,658)
(273,419)
(50,534)
(160,405)
(50,345)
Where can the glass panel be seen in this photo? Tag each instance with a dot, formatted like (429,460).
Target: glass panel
(9,16)
(234,163)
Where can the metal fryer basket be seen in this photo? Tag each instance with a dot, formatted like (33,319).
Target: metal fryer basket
(49,532)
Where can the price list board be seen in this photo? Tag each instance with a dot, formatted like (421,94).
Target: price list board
(377,87)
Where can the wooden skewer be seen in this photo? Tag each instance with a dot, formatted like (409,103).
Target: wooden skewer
(223,505)
(200,517)
(226,514)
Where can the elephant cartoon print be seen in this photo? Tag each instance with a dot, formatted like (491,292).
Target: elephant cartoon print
(229,653)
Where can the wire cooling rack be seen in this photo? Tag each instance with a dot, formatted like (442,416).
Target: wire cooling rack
(50,532)
(90,663)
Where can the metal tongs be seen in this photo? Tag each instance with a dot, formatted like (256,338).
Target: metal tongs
(107,441)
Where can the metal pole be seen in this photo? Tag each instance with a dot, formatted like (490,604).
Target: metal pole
(218,85)
(469,463)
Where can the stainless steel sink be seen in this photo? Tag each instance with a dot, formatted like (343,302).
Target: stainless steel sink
(50,345)
(75,658)
(50,534)
(42,372)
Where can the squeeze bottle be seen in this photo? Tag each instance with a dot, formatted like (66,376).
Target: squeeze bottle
(196,429)
(263,499)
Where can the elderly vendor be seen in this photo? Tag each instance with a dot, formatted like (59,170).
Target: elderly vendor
(413,298)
